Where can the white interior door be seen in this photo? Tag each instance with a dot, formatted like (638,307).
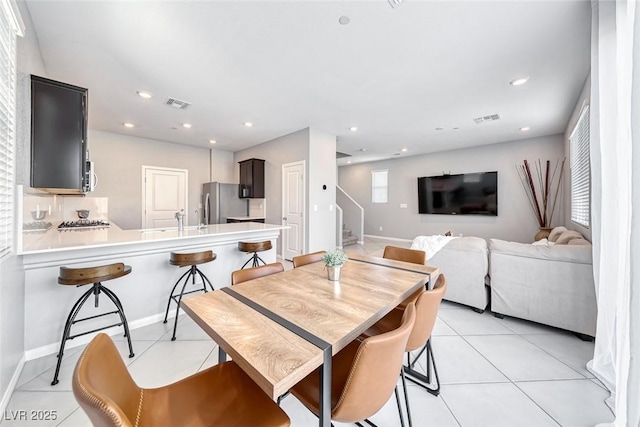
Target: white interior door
(164,194)
(293,201)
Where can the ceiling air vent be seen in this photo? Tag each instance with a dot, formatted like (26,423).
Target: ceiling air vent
(491,118)
(176,103)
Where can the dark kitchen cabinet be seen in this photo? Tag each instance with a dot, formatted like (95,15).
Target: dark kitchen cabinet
(58,136)
(252,179)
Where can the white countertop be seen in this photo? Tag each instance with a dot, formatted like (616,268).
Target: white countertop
(54,240)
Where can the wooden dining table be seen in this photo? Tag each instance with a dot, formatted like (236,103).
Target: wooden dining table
(282,327)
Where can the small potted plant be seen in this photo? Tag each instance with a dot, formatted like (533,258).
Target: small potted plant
(333,261)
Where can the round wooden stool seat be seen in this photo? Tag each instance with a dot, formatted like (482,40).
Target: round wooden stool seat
(194,258)
(254,246)
(85,276)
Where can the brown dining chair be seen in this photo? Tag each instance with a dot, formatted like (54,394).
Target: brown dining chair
(413,256)
(427,305)
(300,260)
(240,276)
(364,375)
(222,395)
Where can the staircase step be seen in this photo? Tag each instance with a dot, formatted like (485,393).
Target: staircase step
(351,240)
(346,232)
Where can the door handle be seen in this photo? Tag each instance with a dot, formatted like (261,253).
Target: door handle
(284,218)
(206,210)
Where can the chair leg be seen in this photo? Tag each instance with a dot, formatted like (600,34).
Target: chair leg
(166,313)
(116,301)
(205,280)
(406,397)
(175,323)
(419,378)
(399,407)
(245,264)
(67,330)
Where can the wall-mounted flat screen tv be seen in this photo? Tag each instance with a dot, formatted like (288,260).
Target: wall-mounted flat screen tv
(463,194)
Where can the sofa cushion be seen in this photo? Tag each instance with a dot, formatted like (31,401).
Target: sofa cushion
(578,254)
(566,236)
(556,232)
(580,242)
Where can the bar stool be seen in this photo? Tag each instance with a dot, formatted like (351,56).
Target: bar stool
(92,275)
(190,260)
(254,247)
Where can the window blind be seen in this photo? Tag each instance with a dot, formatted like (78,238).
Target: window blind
(580,170)
(7,122)
(379,186)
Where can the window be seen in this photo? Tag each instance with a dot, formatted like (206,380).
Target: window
(10,24)
(580,170)
(379,186)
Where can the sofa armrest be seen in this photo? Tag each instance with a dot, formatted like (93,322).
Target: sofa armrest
(579,254)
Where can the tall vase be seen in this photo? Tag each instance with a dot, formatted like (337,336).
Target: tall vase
(333,273)
(543,233)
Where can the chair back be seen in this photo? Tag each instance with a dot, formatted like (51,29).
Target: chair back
(103,387)
(373,375)
(403,254)
(240,276)
(427,306)
(300,260)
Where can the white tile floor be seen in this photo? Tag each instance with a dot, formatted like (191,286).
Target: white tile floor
(494,372)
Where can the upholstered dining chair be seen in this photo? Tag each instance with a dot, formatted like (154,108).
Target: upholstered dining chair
(363,375)
(413,256)
(300,260)
(427,305)
(240,276)
(222,395)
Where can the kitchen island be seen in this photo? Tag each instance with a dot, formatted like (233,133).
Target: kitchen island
(143,293)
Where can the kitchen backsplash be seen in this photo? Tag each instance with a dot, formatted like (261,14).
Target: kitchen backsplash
(56,208)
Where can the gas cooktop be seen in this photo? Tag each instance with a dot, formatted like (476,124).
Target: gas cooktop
(83,224)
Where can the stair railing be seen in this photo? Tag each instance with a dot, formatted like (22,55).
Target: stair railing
(339,216)
(353,214)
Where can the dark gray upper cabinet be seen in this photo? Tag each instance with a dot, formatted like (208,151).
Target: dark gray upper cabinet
(252,179)
(58,136)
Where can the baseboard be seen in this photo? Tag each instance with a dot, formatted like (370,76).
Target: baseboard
(387,238)
(6,397)
(53,348)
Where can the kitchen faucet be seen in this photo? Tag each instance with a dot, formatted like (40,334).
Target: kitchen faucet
(180,217)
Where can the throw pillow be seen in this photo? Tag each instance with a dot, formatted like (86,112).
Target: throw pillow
(567,236)
(541,242)
(555,233)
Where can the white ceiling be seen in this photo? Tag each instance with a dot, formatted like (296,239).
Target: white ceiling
(395,73)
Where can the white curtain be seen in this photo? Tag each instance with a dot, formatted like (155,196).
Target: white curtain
(614,110)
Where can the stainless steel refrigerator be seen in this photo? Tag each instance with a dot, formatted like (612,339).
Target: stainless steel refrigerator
(221,201)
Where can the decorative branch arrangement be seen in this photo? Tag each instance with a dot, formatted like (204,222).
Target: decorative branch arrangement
(540,189)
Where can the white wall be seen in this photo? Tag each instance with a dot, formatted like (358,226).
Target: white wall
(118,163)
(515,220)
(321,202)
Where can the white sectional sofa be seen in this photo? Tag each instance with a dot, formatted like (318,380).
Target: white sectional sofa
(464,261)
(552,285)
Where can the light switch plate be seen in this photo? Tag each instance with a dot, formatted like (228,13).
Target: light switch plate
(403,206)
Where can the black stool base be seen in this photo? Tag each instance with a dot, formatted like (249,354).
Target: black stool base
(96,290)
(177,298)
(255,261)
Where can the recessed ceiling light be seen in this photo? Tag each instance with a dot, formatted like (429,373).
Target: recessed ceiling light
(525,128)
(248,124)
(363,149)
(439,128)
(344,20)
(456,128)
(212,141)
(349,161)
(145,95)
(128,125)
(353,128)
(519,81)
(403,149)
